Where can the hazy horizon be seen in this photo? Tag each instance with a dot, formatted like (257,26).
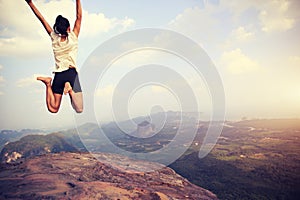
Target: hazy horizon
(141,117)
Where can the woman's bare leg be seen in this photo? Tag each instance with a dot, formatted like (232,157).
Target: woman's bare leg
(53,100)
(76,98)
(77,101)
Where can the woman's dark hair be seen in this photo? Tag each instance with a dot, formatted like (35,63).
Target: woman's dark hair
(61,25)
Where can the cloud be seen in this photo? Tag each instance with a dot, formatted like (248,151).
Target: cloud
(238,36)
(26,82)
(241,34)
(94,24)
(23,47)
(197,23)
(275,16)
(2,80)
(238,63)
(29,81)
(23,35)
(106,91)
(231,24)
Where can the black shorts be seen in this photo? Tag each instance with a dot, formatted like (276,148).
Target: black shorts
(61,78)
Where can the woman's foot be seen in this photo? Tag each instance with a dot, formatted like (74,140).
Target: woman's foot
(46,80)
(68,88)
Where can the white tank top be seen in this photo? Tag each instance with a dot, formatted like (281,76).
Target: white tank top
(65,53)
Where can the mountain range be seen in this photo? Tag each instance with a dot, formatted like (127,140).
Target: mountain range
(253,159)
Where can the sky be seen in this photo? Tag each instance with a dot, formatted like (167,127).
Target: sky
(253,44)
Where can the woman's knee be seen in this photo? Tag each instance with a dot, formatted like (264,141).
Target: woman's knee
(53,110)
(79,110)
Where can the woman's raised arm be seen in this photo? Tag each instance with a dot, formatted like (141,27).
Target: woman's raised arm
(77,24)
(39,16)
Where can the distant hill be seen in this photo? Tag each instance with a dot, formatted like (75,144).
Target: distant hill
(7,136)
(279,124)
(33,145)
(81,176)
(144,130)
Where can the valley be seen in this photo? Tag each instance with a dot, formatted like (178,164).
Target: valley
(253,159)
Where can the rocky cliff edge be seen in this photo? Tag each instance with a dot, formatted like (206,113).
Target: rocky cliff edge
(82,176)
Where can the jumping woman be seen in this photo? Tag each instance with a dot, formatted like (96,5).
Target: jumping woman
(65,47)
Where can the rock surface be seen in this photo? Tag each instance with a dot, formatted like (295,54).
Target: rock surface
(82,176)
(145,129)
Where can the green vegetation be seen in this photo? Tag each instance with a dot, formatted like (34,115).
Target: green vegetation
(7,136)
(32,145)
(248,163)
